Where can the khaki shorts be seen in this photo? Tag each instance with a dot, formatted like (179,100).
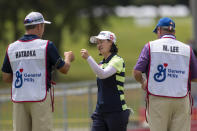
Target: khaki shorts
(32,116)
(169,114)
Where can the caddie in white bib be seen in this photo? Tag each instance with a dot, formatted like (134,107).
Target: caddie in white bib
(166,77)
(28,61)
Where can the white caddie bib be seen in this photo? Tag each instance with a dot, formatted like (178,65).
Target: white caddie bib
(28,62)
(169,68)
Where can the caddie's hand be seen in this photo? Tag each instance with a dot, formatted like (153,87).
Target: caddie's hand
(84,53)
(144,84)
(69,56)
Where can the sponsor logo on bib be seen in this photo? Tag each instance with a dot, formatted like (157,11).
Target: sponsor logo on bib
(161,75)
(164,72)
(22,77)
(19,78)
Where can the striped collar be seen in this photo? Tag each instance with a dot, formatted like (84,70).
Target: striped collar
(109,58)
(168,36)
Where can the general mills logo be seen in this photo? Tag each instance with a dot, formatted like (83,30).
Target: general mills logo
(19,79)
(161,75)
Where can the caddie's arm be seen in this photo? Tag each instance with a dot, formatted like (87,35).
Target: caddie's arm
(69,57)
(141,66)
(7,73)
(7,77)
(194,80)
(55,60)
(193,67)
(139,78)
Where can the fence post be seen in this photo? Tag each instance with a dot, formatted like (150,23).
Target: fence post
(90,103)
(65,113)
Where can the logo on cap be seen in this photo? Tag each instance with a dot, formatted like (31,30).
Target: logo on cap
(111,37)
(104,34)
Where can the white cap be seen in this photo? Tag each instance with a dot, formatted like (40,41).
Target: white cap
(104,35)
(34,18)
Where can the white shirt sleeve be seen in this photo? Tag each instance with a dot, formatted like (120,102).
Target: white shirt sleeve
(101,73)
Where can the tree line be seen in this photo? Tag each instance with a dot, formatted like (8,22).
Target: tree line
(63,13)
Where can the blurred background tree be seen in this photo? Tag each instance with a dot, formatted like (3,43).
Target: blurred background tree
(74,21)
(63,13)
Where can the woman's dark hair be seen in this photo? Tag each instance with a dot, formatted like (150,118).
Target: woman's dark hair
(114,49)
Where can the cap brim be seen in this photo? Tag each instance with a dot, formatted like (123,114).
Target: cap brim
(155,30)
(47,22)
